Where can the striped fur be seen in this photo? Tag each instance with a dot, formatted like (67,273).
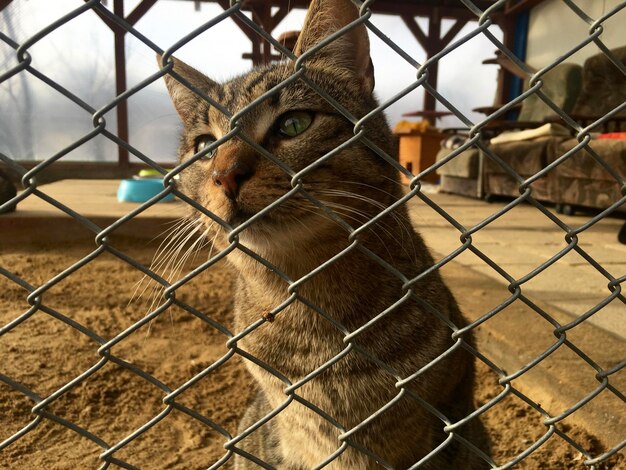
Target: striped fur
(297,237)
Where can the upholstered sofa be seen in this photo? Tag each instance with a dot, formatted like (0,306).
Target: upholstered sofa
(582,180)
(462,174)
(472,173)
(527,157)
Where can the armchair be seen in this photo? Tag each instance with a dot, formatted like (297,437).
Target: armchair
(472,173)
(581,180)
(529,156)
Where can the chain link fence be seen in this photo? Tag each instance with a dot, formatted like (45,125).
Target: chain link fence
(112,452)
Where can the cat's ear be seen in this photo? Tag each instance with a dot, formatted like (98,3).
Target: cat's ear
(186,101)
(350,51)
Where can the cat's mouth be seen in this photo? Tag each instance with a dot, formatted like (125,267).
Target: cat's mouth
(239,216)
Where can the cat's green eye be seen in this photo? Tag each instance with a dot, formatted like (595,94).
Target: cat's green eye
(203,142)
(294,123)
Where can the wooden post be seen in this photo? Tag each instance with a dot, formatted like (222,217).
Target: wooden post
(120,85)
(507,24)
(4,4)
(119,38)
(432,44)
(261,15)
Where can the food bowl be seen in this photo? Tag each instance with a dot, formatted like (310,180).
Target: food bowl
(141,190)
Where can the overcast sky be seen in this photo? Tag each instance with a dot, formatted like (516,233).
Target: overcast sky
(38,122)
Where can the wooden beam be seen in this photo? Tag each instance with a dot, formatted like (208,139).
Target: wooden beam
(262,15)
(63,170)
(390,7)
(433,43)
(452,32)
(508,65)
(245,29)
(505,80)
(513,7)
(417,32)
(108,21)
(414,9)
(120,85)
(139,11)
(433,47)
(283,11)
(134,16)
(4,4)
(119,38)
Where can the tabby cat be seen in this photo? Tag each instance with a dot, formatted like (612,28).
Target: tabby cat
(235,181)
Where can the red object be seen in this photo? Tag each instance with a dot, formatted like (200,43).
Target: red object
(428,113)
(613,136)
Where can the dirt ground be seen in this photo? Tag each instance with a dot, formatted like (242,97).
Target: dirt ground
(43,354)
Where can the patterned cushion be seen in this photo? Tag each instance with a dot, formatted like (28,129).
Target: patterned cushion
(562,85)
(604,85)
(464,165)
(582,165)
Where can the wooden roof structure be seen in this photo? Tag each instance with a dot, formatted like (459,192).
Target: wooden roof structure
(269,13)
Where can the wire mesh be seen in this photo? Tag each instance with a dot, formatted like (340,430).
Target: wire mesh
(171,396)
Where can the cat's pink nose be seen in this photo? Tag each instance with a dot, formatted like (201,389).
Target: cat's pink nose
(231,179)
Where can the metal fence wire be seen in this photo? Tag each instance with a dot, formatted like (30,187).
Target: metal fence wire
(36,294)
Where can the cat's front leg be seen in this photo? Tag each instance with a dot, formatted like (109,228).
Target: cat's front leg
(262,443)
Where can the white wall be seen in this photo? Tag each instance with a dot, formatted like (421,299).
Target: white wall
(554,29)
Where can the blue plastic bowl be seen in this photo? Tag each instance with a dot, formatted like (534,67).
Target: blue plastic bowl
(141,190)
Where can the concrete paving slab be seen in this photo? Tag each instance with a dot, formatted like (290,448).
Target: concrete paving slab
(522,240)
(517,335)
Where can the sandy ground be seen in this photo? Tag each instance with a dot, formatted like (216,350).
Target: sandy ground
(43,354)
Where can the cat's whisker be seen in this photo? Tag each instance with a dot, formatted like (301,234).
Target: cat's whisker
(165,249)
(346,194)
(212,245)
(174,234)
(177,261)
(393,197)
(170,264)
(175,224)
(383,225)
(394,181)
(167,261)
(192,251)
(167,234)
(400,221)
(170,246)
(187,231)
(325,185)
(203,243)
(308,228)
(316,210)
(353,213)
